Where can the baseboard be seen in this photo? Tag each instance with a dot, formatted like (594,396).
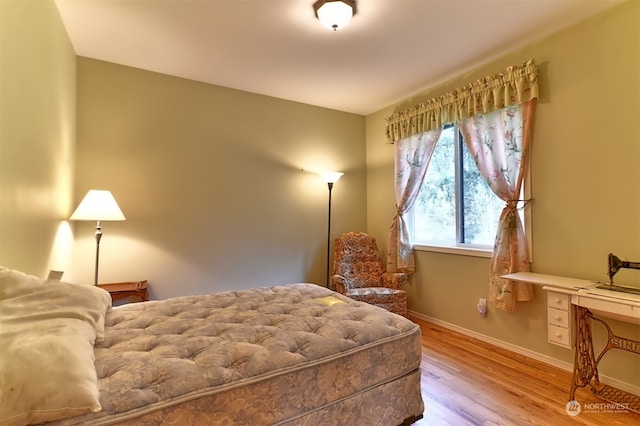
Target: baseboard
(619,384)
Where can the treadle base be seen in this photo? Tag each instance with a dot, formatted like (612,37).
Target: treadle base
(616,396)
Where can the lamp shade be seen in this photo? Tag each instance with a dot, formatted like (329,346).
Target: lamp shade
(334,14)
(98,205)
(330,177)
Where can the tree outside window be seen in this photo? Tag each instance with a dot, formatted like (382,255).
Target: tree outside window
(455,206)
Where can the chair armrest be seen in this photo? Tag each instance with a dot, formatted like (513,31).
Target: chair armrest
(394,279)
(339,284)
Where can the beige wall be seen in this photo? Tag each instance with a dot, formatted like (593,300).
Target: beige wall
(585,183)
(217,184)
(37,133)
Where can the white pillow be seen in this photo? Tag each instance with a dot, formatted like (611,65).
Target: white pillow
(47,330)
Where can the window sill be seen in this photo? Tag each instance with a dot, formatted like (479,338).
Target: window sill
(462,251)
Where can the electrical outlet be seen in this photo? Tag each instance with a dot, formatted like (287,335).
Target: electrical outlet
(482,307)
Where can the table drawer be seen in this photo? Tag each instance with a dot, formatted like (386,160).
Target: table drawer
(127,292)
(559,335)
(558,317)
(558,300)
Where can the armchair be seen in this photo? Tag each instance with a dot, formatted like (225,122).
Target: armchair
(360,274)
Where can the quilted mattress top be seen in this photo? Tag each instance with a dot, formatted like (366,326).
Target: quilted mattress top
(167,350)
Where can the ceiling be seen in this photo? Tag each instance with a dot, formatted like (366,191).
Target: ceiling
(391,50)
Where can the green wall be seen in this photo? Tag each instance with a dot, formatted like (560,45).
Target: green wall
(218,185)
(37,137)
(585,184)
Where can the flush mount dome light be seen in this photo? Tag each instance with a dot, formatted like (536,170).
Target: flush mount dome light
(334,14)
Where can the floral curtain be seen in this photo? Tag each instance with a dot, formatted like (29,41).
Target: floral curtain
(412,156)
(494,101)
(499,142)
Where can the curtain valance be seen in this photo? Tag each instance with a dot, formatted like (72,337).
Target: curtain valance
(515,85)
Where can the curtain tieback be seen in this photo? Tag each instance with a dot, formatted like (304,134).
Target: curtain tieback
(513,204)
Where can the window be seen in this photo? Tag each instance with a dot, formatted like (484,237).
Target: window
(455,208)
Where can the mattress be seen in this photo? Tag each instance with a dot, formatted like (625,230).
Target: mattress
(295,354)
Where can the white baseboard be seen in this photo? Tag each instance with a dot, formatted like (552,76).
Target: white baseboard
(619,384)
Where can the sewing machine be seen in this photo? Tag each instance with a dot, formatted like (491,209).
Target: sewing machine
(615,264)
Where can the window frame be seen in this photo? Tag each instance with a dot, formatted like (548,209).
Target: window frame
(466,249)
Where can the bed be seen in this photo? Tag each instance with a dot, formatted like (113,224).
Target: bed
(296,354)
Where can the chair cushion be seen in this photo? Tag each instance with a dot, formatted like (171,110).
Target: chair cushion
(363,274)
(390,299)
(373,291)
(357,259)
(377,295)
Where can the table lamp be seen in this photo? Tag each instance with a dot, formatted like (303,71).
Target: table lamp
(100,206)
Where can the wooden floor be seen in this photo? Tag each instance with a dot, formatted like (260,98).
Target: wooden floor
(469,382)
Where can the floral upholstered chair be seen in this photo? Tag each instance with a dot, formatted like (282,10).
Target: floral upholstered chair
(360,274)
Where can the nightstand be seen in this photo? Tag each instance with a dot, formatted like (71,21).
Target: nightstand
(127,292)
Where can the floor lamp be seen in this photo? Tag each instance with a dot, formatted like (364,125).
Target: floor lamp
(330,178)
(99,206)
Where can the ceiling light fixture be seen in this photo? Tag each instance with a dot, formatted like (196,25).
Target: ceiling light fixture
(334,14)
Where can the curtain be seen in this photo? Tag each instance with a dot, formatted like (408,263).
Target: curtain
(489,109)
(499,142)
(514,85)
(412,156)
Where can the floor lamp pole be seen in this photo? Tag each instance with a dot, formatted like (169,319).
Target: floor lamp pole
(330,184)
(98,236)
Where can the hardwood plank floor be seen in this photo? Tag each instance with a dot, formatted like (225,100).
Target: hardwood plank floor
(466,381)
